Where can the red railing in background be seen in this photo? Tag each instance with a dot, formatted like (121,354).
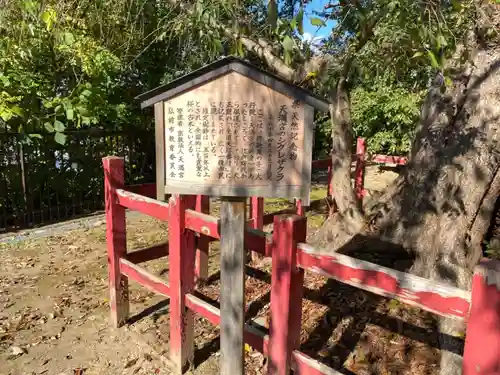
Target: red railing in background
(290,257)
(360,158)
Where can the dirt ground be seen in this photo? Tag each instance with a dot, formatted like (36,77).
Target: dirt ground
(54,313)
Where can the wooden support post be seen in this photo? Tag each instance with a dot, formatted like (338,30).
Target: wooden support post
(257,216)
(160,150)
(181,279)
(202,250)
(286,292)
(257,212)
(232,294)
(482,341)
(116,239)
(359,181)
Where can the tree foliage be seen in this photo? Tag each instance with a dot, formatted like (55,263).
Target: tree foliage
(70,64)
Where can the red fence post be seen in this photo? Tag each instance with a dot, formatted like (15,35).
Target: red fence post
(202,251)
(181,278)
(257,222)
(116,239)
(360,169)
(286,292)
(299,207)
(257,212)
(330,188)
(482,341)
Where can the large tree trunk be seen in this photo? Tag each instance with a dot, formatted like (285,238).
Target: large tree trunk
(441,207)
(342,139)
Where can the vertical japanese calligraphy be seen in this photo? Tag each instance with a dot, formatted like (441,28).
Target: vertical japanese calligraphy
(252,138)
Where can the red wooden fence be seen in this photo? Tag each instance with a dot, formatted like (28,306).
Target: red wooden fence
(290,257)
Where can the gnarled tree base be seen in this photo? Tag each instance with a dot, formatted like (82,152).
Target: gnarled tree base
(440,209)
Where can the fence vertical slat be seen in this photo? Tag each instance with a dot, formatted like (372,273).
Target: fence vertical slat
(202,250)
(359,181)
(286,292)
(116,239)
(482,342)
(257,212)
(181,278)
(257,220)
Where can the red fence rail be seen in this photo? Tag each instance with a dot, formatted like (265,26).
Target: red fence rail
(290,257)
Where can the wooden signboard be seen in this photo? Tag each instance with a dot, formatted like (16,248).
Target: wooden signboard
(231,129)
(234,131)
(236,137)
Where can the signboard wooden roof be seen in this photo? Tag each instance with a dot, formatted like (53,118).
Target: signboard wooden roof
(232,129)
(222,67)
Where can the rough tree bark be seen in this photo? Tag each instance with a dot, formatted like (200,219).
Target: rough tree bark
(441,208)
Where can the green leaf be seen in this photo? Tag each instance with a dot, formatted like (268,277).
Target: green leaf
(218,45)
(288,57)
(417,54)
(288,44)
(70,113)
(239,46)
(272,13)
(60,138)
(39,136)
(317,22)
(86,93)
(441,41)
(48,126)
(48,17)
(5,115)
(59,126)
(432,57)
(69,39)
(300,21)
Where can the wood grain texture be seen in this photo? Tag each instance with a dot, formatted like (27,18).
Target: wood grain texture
(160,151)
(181,279)
(255,240)
(224,66)
(410,289)
(203,243)
(233,223)
(141,203)
(144,278)
(116,239)
(286,292)
(256,220)
(221,124)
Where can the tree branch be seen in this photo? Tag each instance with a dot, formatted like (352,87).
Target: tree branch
(260,47)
